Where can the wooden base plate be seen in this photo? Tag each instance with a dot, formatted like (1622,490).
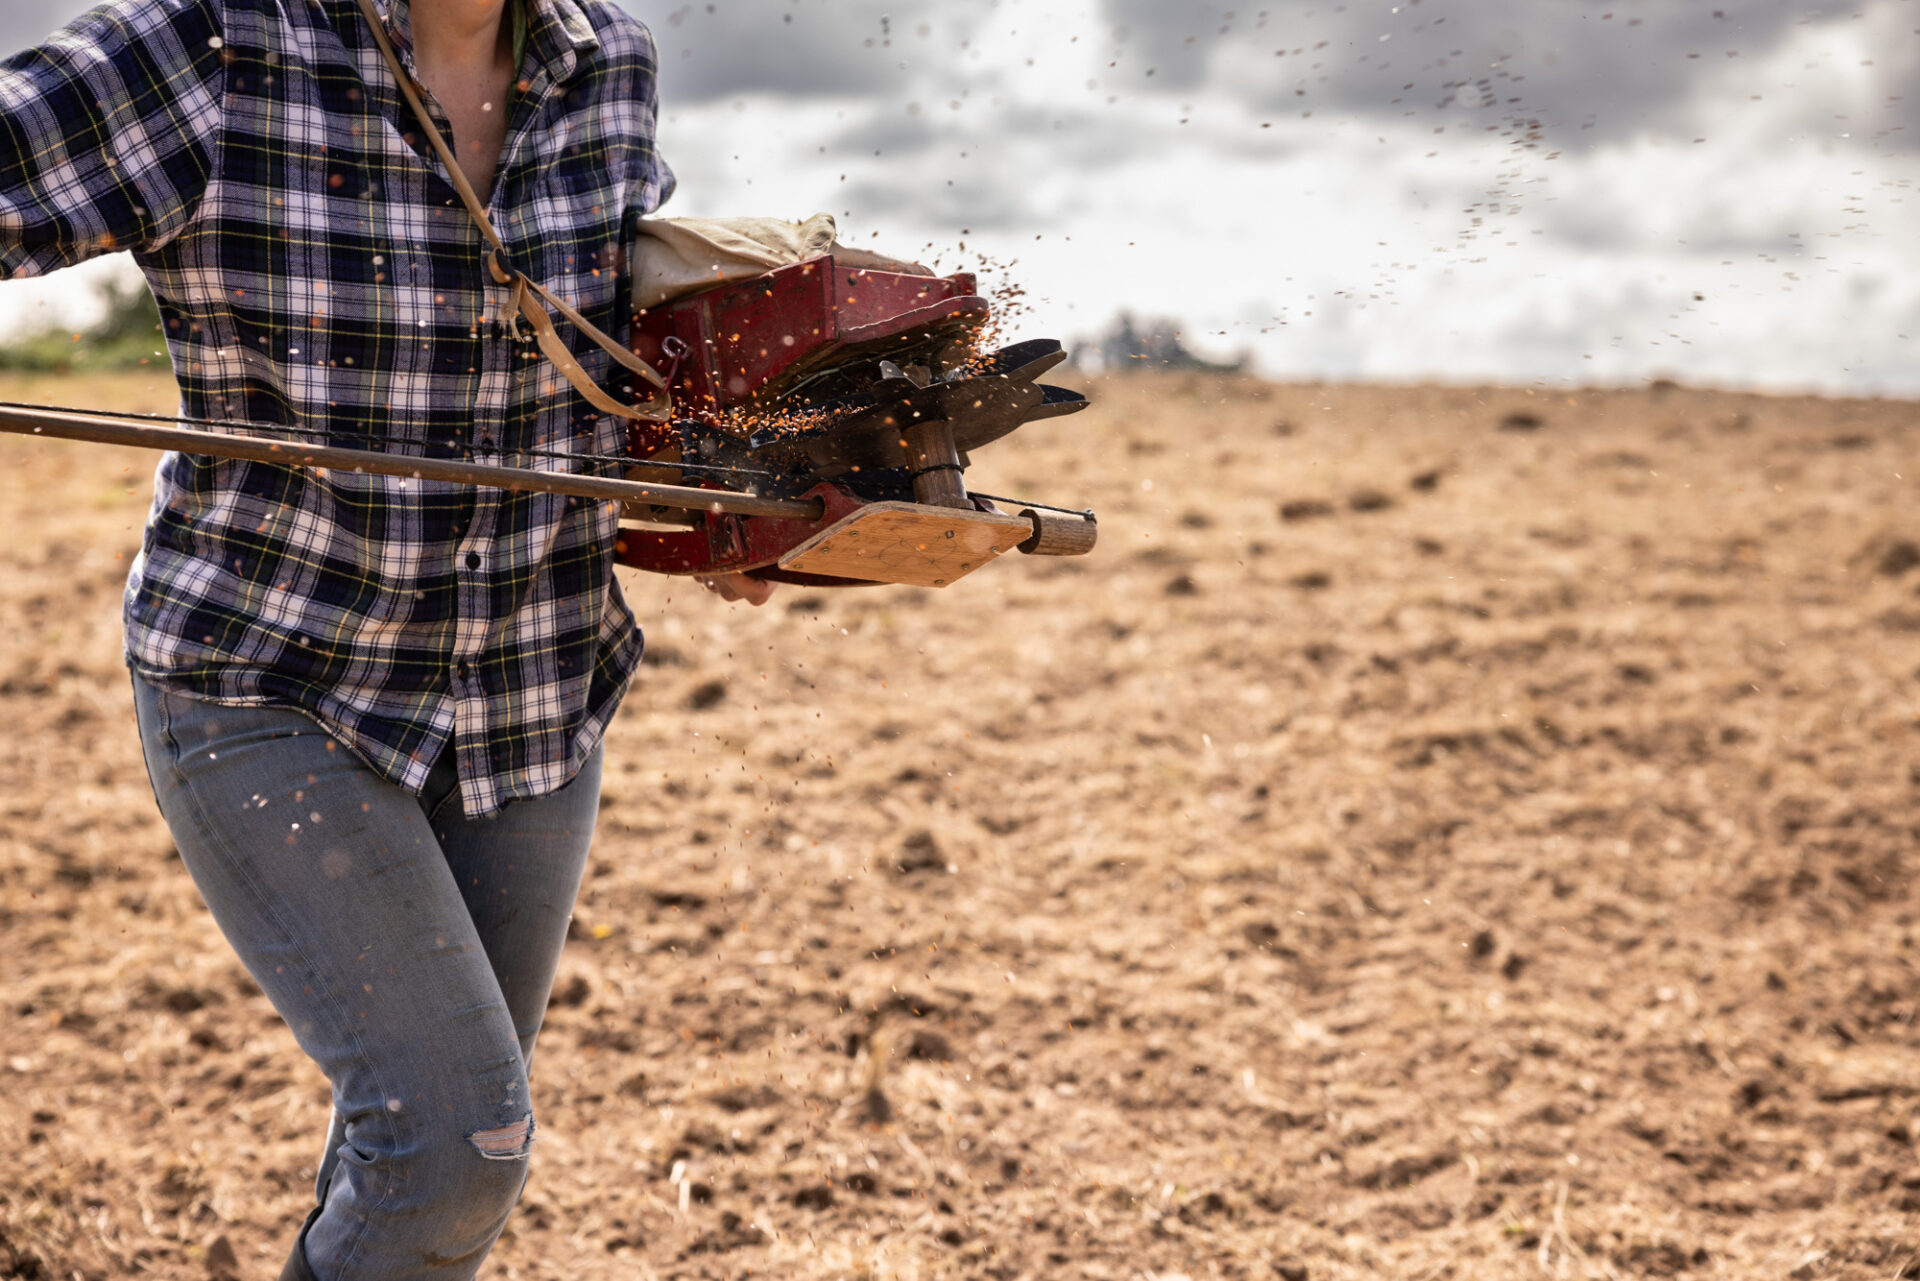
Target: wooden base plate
(908,543)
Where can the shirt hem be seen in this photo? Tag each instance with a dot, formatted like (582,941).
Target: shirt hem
(194,683)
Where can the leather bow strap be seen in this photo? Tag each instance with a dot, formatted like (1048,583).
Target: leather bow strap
(528,294)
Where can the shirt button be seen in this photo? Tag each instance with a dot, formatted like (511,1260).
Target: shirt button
(473,560)
(462,670)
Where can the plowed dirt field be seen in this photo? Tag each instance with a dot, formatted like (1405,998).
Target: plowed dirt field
(1440,834)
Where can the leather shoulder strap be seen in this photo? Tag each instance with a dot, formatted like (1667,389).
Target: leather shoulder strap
(527,294)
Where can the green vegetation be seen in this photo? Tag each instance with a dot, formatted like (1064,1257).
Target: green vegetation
(127,337)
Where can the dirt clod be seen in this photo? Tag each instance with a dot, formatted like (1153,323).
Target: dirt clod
(1262,934)
(1305,509)
(819,1197)
(1900,556)
(1369,500)
(572,994)
(706,696)
(920,852)
(223,1262)
(930,1047)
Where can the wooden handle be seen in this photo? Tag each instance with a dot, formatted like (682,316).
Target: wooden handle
(106,430)
(1056,534)
(934,461)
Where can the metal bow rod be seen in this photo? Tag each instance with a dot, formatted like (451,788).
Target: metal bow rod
(113,429)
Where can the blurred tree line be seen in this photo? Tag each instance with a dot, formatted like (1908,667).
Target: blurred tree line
(127,336)
(1145,344)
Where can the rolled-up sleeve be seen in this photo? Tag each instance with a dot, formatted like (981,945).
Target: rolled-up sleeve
(656,181)
(108,133)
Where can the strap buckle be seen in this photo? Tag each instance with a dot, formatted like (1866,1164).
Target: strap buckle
(498,263)
(677,348)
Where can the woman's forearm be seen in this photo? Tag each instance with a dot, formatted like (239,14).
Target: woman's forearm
(107,133)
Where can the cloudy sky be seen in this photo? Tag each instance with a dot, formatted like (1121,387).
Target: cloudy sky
(1530,191)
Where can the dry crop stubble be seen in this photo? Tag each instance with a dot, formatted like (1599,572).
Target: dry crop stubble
(1441,833)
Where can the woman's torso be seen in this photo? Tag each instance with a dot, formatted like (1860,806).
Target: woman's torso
(330,280)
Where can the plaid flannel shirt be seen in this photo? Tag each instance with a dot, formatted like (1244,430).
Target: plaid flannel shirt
(315,269)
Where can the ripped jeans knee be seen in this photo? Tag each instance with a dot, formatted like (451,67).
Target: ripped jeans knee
(513,1142)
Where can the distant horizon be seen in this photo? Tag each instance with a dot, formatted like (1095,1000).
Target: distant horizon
(1075,373)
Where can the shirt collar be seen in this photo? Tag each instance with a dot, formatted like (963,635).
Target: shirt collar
(559,34)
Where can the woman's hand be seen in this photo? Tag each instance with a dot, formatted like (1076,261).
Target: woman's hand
(738,587)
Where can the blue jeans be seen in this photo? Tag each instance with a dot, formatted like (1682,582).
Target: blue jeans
(411,950)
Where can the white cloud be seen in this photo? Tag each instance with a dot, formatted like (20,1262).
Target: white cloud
(1358,240)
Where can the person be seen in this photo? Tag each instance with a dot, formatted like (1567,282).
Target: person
(372,710)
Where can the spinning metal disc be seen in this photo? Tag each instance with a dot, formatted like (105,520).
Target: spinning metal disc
(982,402)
